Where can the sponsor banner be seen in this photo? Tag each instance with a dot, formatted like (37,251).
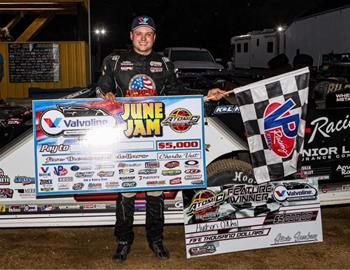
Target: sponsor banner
(326,152)
(138,144)
(244,216)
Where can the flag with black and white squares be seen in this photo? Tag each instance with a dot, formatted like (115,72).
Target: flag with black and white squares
(274,112)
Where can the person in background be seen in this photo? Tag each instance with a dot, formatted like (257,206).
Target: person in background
(140,72)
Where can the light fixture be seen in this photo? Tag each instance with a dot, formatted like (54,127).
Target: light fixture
(280,28)
(100,31)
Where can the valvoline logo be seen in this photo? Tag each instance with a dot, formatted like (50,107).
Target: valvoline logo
(295,192)
(281,127)
(280,193)
(53,122)
(44,169)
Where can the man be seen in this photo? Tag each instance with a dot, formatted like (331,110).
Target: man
(140,72)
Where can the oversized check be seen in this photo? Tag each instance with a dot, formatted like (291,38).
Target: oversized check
(137,144)
(244,215)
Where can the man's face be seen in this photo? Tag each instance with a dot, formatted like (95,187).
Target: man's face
(143,39)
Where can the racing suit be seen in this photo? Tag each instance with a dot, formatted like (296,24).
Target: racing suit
(132,75)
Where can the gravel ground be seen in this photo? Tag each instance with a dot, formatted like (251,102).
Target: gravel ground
(92,248)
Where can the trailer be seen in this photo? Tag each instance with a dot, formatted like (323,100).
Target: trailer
(315,35)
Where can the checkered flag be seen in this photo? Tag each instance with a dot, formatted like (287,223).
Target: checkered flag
(274,113)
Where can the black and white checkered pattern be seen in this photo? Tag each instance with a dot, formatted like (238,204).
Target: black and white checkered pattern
(253,100)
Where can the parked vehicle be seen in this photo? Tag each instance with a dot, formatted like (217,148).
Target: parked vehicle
(192,60)
(14,120)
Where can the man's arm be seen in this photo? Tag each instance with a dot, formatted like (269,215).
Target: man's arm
(106,84)
(172,86)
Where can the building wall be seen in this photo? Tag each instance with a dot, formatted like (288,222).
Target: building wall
(74,70)
(319,34)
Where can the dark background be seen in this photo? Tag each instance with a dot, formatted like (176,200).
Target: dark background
(208,24)
(196,23)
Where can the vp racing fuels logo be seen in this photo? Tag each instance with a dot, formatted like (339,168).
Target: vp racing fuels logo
(180,120)
(281,127)
(74,120)
(294,192)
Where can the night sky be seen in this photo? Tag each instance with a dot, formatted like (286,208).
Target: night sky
(208,24)
(196,23)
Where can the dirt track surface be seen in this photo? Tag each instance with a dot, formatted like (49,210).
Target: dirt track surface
(87,248)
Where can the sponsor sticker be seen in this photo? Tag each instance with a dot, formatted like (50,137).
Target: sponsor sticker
(128,184)
(175,181)
(84,174)
(193,177)
(172,164)
(191,163)
(344,170)
(15,208)
(205,249)
(105,173)
(30,208)
(222,109)
(55,121)
(4,179)
(78,186)
(126,178)
(179,155)
(111,185)
(171,172)
(281,127)
(181,120)
(24,180)
(65,179)
(6,193)
(192,171)
(94,186)
(60,171)
(127,164)
(294,192)
(152,164)
(64,186)
(155,182)
(147,171)
(126,171)
(156,69)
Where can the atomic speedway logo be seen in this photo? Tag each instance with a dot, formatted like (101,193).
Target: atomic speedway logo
(281,127)
(181,120)
(53,122)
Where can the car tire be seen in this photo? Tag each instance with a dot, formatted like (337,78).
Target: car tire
(229,171)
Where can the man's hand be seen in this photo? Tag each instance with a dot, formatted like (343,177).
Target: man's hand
(110,97)
(215,94)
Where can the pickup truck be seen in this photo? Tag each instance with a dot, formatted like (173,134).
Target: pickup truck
(193,60)
(198,71)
